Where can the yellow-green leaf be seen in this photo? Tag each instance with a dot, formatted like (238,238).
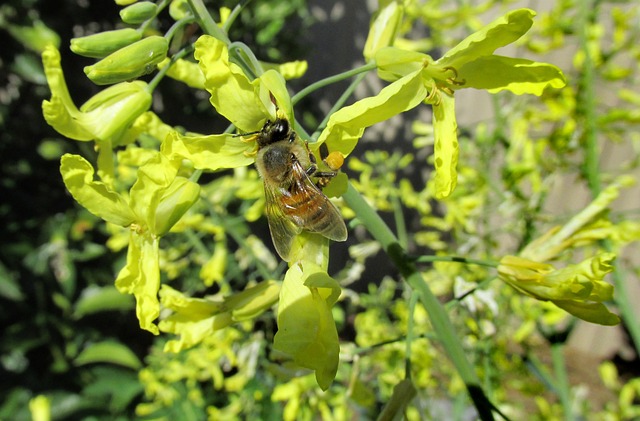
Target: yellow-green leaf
(108,352)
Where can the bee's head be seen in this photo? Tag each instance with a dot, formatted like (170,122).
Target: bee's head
(274,132)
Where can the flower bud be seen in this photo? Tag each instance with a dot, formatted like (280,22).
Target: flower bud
(104,43)
(129,62)
(138,12)
(384,29)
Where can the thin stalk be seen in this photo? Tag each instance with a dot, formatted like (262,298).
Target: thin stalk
(177,25)
(413,300)
(208,25)
(343,98)
(233,15)
(562,381)
(153,83)
(161,6)
(330,80)
(398,216)
(457,259)
(437,314)
(592,164)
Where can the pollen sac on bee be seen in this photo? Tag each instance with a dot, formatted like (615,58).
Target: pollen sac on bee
(334,160)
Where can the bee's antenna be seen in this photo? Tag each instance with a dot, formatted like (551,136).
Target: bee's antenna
(246,134)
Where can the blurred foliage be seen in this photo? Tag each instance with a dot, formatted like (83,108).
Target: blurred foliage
(71,337)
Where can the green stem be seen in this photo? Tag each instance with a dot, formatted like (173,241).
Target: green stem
(177,25)
(153,83)
(437,314)
(343,98)
(562,381)
(458,259)
(161,6)
(592,164)
(242,55)
(588,100)
(233,15)
(413,300)
(330,80)
(208,25)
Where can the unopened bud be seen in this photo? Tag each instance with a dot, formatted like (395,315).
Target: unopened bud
(129,62)
(138,12)
(104,43)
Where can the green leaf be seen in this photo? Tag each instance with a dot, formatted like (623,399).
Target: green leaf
(502,31)
(403,394)
(95,196)
(347,125)
(306,330)
(108,352)
(446,145)
(98,299)
(520,76)
(37,37)
(9,285)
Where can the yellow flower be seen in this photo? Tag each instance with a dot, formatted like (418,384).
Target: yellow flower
(578,289)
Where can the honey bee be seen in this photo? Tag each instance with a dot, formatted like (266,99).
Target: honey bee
(293,201)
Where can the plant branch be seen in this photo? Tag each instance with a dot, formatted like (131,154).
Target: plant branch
(592,163)
(437,314)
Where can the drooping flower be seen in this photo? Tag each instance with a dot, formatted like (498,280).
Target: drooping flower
(156,201)
(580,288)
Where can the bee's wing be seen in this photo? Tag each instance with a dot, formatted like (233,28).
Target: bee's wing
(283,228)
(320,215)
